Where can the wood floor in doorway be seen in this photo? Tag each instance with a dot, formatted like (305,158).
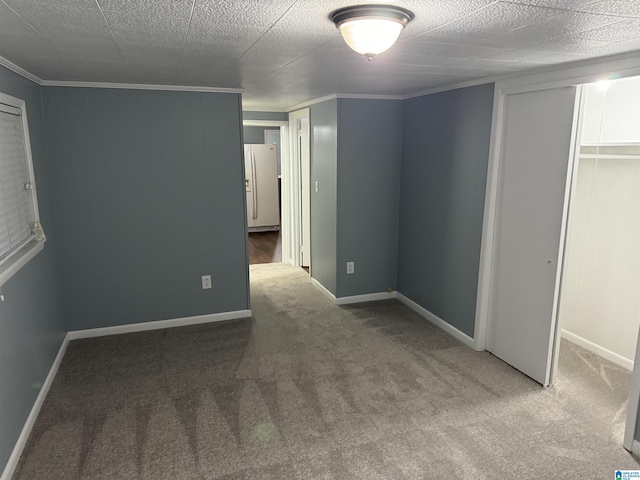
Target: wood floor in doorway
(265,247)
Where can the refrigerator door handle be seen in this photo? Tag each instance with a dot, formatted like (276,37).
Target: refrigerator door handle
(255,186)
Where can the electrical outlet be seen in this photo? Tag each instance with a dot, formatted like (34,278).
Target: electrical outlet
(351,268)
(206,282)
(317,185)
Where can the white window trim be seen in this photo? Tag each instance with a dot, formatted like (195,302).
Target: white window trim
(18,259)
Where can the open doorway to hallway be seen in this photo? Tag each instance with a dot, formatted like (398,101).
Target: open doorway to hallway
(289,240)
(263,179)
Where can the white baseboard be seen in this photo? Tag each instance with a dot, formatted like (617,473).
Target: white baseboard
(157,325)
(322,288)
(598,350)
(437,321)
(12,463)
(367,297)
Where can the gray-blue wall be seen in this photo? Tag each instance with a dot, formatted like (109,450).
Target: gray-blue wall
(444,169)
(323,121)
(249,115)
(369,150)
(31,323)
(149,195)
(255,134)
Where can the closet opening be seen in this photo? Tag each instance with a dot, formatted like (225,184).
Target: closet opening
(599,303)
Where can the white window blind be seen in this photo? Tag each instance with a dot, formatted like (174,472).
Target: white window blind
(18,214)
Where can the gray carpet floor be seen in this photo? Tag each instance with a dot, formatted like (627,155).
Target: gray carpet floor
(309,390)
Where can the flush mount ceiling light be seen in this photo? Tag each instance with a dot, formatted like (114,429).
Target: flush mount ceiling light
(371,29)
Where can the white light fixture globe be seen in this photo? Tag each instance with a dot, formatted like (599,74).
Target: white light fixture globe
(371,29)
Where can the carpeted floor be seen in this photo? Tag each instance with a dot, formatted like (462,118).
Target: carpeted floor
(309,390)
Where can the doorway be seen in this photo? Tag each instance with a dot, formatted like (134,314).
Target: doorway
(599,305)
(292,244)
(264,153)
(600,301)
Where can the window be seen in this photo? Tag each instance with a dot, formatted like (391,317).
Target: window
(21,235)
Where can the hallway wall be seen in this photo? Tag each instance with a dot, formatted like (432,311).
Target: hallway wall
(445,154)
(149,194)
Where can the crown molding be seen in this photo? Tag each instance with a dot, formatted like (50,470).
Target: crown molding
(546,69)
(369,97)
(453,86)
(20,71)
(308,103)
(333,96)
(127,86)
(542,70)
(140,86)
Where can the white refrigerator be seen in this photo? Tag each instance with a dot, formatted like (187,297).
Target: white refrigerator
(261,184)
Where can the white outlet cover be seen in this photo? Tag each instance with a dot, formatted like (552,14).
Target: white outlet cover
(206,282)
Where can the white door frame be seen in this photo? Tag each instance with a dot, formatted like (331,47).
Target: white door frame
(294,196)
(285,226)
(615,67)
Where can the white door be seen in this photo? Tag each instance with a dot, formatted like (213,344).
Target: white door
(530,217)
(305,190)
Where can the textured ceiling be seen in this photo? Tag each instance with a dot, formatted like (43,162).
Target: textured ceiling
(284,52)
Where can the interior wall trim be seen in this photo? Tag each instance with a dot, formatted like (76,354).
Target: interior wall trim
(308,103)
(544,70)
(333,96)
(438,322)
(12,463)
(158,325)
(598,350)
(20,71)
(128,86)
(368,297)
(140,86)
(323,289)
